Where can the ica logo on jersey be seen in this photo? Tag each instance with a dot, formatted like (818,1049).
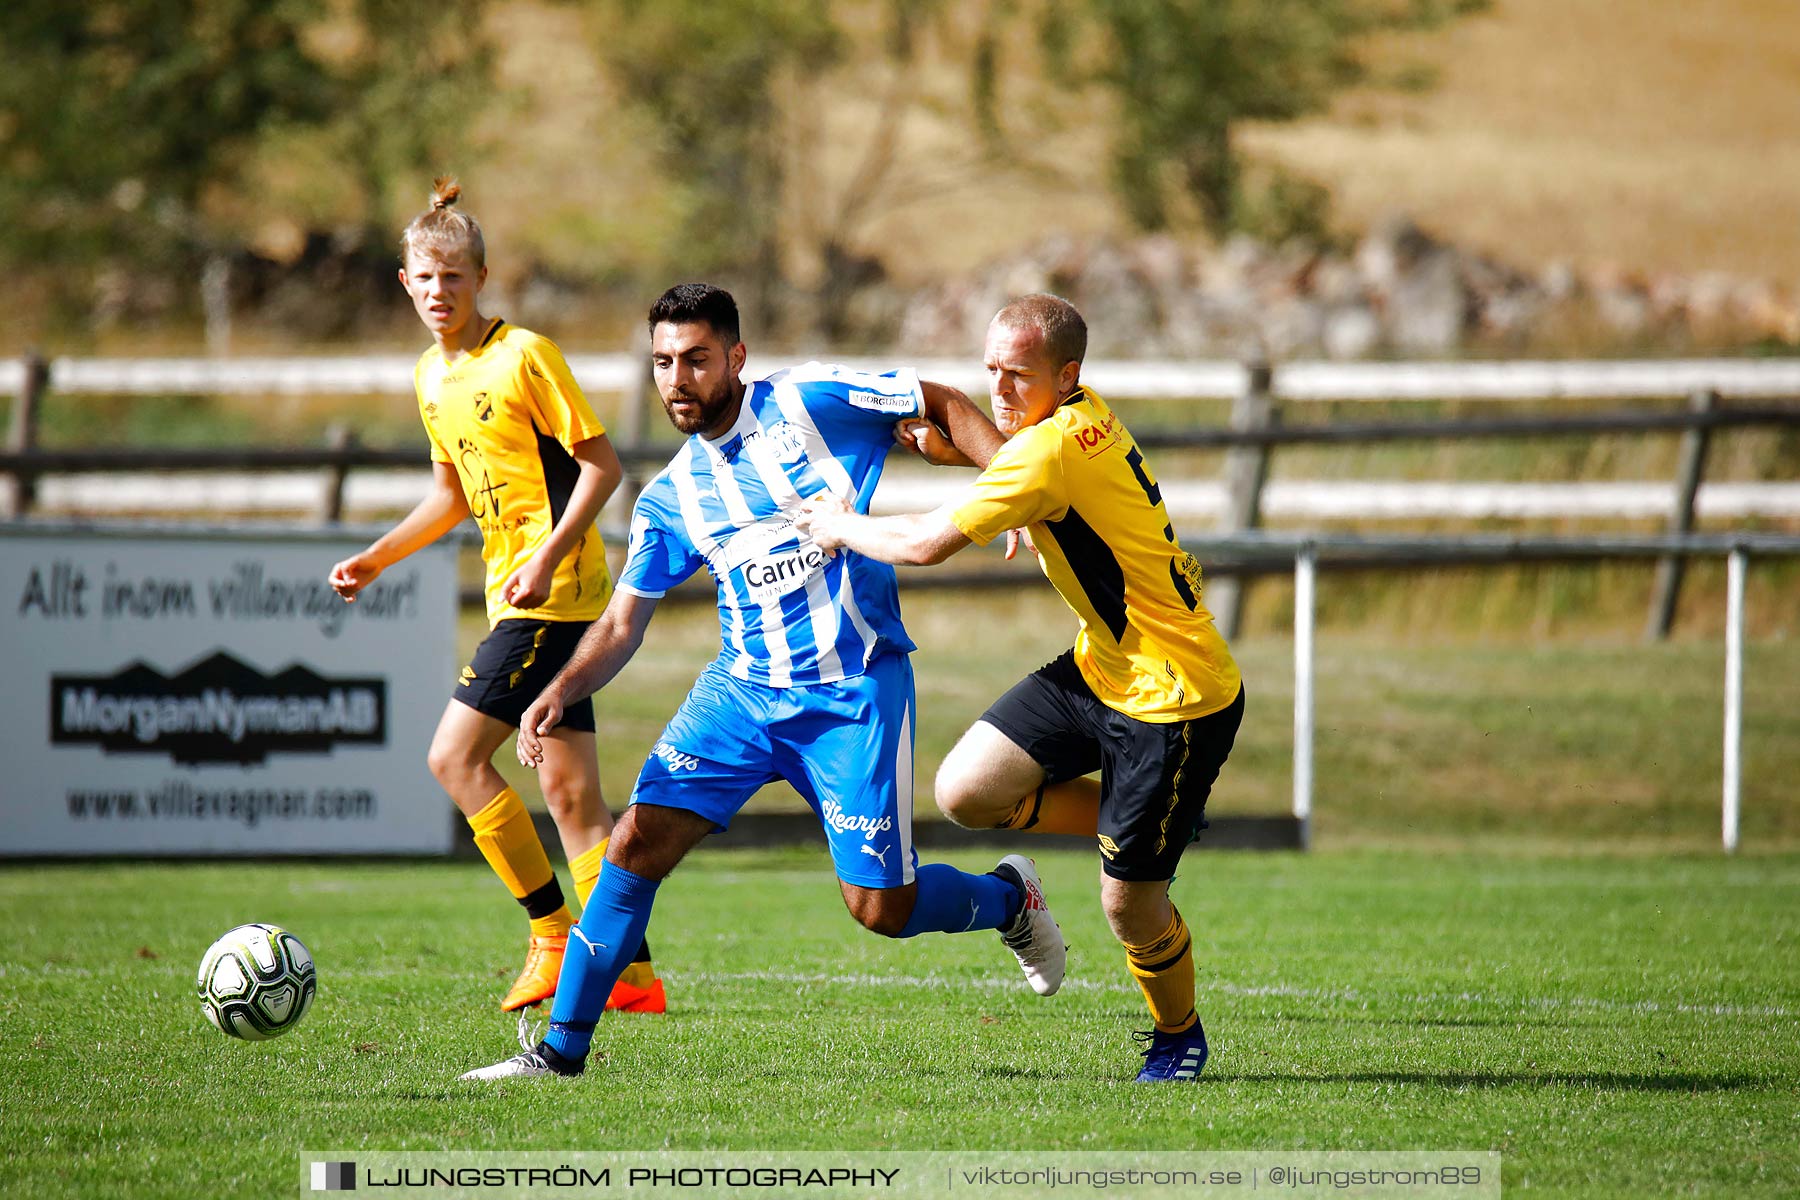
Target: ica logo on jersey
(1092,439)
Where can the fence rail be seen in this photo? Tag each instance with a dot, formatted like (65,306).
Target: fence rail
(1256,391)
(1306,555)
(646,454)
(391,374)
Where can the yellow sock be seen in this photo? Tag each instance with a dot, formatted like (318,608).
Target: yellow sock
(585,867)
(1164,970)
(508,840)
(1069,807)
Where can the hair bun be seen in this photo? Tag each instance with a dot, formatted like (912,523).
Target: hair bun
(444,191)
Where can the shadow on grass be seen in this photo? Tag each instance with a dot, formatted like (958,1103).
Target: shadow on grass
(1601,1081)
(1604,1081)
(1002,1072)
(1573,1020)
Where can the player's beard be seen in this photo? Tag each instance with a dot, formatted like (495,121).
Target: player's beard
(712,407)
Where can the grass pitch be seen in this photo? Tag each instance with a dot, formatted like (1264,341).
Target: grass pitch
(1599,743)
(1614,1026)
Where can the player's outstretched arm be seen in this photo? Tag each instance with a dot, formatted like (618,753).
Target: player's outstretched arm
(599,472)
(969,428)
(442,509)
(953,432)
(601,654)
(917,539)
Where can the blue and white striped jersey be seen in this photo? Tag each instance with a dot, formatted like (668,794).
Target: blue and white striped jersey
(788,615)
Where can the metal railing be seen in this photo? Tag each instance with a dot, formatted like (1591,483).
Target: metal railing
(1307,555)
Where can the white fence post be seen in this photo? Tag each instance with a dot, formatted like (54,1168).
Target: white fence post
(1305,565)
(1734,692)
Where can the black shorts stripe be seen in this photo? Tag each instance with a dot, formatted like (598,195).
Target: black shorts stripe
(515,662)
(1095,568)
(537,643)
(1162,831)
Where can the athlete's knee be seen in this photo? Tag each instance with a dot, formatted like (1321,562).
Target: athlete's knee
(449,762)
(963,795)
(570,796)
(1136,911)
(986,780)
(640,855)
(957,797)
(884,910)
(650,841)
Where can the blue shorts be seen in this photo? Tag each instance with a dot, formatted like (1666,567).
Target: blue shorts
(847,747)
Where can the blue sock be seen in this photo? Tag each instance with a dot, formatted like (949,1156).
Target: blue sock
(600,946)
(953,901)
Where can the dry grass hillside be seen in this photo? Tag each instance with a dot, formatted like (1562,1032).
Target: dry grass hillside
(1640,134)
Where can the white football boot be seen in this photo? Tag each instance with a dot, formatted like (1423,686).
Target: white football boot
(535,1061)
(1033,935)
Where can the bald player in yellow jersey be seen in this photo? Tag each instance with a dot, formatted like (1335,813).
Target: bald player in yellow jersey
(1149,696)
(515,445)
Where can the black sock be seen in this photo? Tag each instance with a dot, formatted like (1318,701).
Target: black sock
(1017,903)
(559,1063)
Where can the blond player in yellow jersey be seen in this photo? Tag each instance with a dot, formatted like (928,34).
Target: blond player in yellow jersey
(1149,696)
(515,445)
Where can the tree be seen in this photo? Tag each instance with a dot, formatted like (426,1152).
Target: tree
(712,79)
(409,86)
(123,121)
(115,117)
(1185,74)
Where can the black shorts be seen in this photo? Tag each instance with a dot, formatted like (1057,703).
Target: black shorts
(512,665)
(1154,779)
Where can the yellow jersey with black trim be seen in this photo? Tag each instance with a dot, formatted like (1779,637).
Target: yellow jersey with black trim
(506,415)
(1147,645)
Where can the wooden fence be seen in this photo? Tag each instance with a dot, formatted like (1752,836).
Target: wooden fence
(1720,394)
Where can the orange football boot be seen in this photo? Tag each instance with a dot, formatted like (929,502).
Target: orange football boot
(629,998)
(537,982)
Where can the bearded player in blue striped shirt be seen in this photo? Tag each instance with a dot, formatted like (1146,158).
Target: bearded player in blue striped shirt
(812,683)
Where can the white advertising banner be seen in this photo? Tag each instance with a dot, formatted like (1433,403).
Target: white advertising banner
(176,693)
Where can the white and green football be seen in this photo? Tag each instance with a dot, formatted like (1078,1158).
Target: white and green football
(256,982)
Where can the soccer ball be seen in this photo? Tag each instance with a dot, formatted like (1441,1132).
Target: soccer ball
(256,982)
